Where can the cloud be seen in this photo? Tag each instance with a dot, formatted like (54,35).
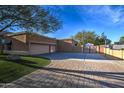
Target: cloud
(114,15)
(110,14)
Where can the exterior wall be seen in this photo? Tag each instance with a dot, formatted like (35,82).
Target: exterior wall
(100,49)
(18,42)
(67,46)
(40,39)
(22,43)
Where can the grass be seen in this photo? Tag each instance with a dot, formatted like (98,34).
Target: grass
(13,70)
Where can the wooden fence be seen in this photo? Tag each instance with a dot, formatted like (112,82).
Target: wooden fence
(111,52)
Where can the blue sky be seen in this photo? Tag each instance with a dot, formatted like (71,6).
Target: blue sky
(107,19)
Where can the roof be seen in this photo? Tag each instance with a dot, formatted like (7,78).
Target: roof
(118,46)
(24,32)
(5,33)
(68,39)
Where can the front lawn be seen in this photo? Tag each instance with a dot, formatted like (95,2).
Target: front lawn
(12,70)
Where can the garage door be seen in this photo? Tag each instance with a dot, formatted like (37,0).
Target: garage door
(39,49)
(53,49)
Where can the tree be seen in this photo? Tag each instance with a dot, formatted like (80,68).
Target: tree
(108,41)
(79,38)
(85,37)
(121,40)
(29,18)
(90,37)
(100,40)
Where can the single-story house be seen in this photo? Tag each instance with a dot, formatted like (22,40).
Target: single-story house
(26,43)
(118,47)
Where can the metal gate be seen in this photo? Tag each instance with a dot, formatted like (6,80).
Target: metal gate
(89,49)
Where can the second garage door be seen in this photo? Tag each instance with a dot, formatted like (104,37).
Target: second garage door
(39,49)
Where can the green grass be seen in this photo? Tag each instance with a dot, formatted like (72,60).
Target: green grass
(12,70)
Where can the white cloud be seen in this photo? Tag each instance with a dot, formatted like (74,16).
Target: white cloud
(114,16)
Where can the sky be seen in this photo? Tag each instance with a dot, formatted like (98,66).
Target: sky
(107,19)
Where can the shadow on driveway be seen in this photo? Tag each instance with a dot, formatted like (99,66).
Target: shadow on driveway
(77,73)
(76,56)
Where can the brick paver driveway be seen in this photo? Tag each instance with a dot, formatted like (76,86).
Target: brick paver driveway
(75,70)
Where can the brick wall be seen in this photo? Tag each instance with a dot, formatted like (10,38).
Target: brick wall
(67,46)
(100,48)
(38,38)
(18,42)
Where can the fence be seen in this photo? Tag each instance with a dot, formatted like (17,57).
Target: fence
(111,52)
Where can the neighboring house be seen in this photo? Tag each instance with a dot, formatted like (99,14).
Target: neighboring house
(117,43)
(25,43)
(89,45)
(118,47)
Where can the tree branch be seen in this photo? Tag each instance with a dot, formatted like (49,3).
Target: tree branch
(7,26)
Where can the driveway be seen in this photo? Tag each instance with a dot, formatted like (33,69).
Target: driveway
(75,70)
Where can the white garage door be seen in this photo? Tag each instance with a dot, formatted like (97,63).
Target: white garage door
(53,49)
(39,49)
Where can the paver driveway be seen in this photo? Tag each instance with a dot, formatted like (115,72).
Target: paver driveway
(75,70)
